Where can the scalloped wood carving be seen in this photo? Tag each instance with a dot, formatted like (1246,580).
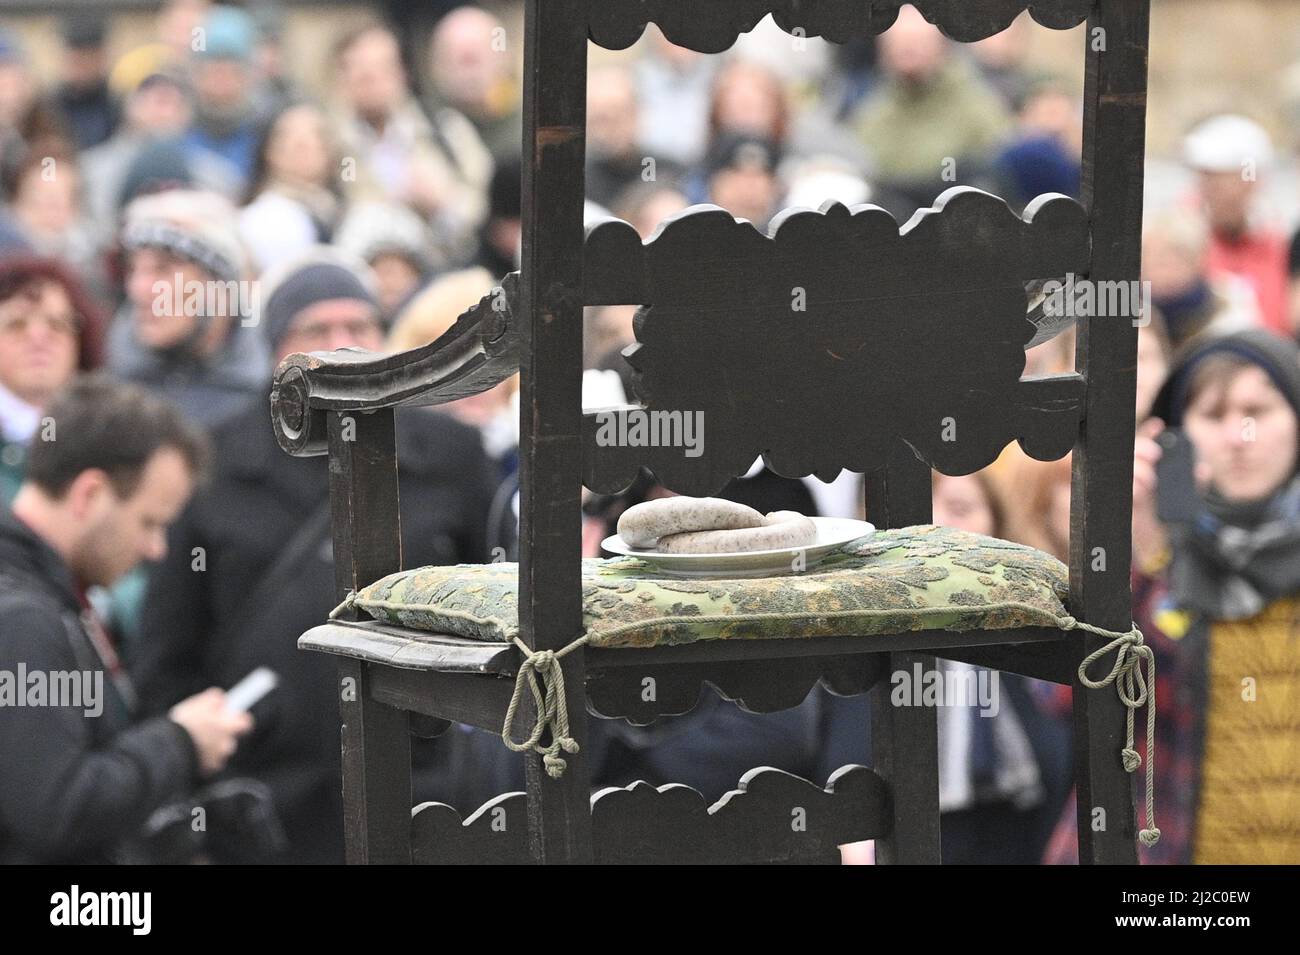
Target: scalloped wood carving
(821,343)
(757,686)
(772,817)
(617,24)
(494,834)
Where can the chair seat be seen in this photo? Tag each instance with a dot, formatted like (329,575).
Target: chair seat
(895,581)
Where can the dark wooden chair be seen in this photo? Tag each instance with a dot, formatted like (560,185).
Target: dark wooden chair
(907,355)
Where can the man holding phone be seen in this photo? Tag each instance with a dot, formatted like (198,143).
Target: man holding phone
(266,574)
(110,468)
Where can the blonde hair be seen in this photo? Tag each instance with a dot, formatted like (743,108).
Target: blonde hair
(1183,229)
(436,308)
(1030,517)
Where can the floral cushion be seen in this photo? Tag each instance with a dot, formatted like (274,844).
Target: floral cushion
(913,578)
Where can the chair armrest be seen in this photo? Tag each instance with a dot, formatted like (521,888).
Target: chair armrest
(478,352)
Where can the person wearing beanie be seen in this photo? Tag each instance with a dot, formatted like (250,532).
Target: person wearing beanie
(185,329)
(159,166)
(741,176)
(88,104)
(1230,154)
(155,111)
(502,232)
(320,283)
(1216,589)
(263,526)
(226,117)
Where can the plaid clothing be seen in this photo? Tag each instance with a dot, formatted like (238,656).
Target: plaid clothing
(1180,688)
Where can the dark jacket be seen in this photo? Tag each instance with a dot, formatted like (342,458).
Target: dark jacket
(92,113)
(212,616)
(73,786)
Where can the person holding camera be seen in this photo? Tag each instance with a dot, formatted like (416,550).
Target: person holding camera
(1216,548)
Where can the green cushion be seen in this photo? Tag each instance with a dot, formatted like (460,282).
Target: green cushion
(913,578)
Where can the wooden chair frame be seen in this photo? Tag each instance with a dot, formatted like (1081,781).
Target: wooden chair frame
(396,683)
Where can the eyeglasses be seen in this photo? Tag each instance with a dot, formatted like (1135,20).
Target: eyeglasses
(321,331)
(16,325)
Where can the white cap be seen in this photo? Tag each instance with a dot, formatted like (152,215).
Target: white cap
(1226,143)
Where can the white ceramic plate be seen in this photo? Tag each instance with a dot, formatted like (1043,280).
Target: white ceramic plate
(832,533)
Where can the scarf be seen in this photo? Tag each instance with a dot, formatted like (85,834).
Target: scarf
(1238,557)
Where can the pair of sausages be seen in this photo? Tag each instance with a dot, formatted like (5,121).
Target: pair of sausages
(710,525)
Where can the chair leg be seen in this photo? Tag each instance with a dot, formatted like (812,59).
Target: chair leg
(1107,825)
(559,810)
(905,747)
(376,773)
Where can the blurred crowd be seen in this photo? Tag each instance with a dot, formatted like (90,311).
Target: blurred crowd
(179,218)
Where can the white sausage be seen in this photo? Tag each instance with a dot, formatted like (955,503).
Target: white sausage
(781,529)
(643,524)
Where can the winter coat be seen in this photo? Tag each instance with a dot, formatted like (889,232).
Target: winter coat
(210,620)
(76,782)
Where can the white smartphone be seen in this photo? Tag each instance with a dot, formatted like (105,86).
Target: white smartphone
(241,697)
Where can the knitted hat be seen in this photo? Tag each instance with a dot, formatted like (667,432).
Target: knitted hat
(84,30)
(322,274)
(743,151)
(200,227)
(505,196)
(1278,357)
(158,166)
(228,34)
(142,63)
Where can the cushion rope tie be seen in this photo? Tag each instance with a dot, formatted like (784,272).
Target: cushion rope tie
(548,696)
(552,706)
(348,603)
(1135,690)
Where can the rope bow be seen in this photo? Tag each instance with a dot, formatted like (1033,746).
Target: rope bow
(1136,689)
(551,704)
